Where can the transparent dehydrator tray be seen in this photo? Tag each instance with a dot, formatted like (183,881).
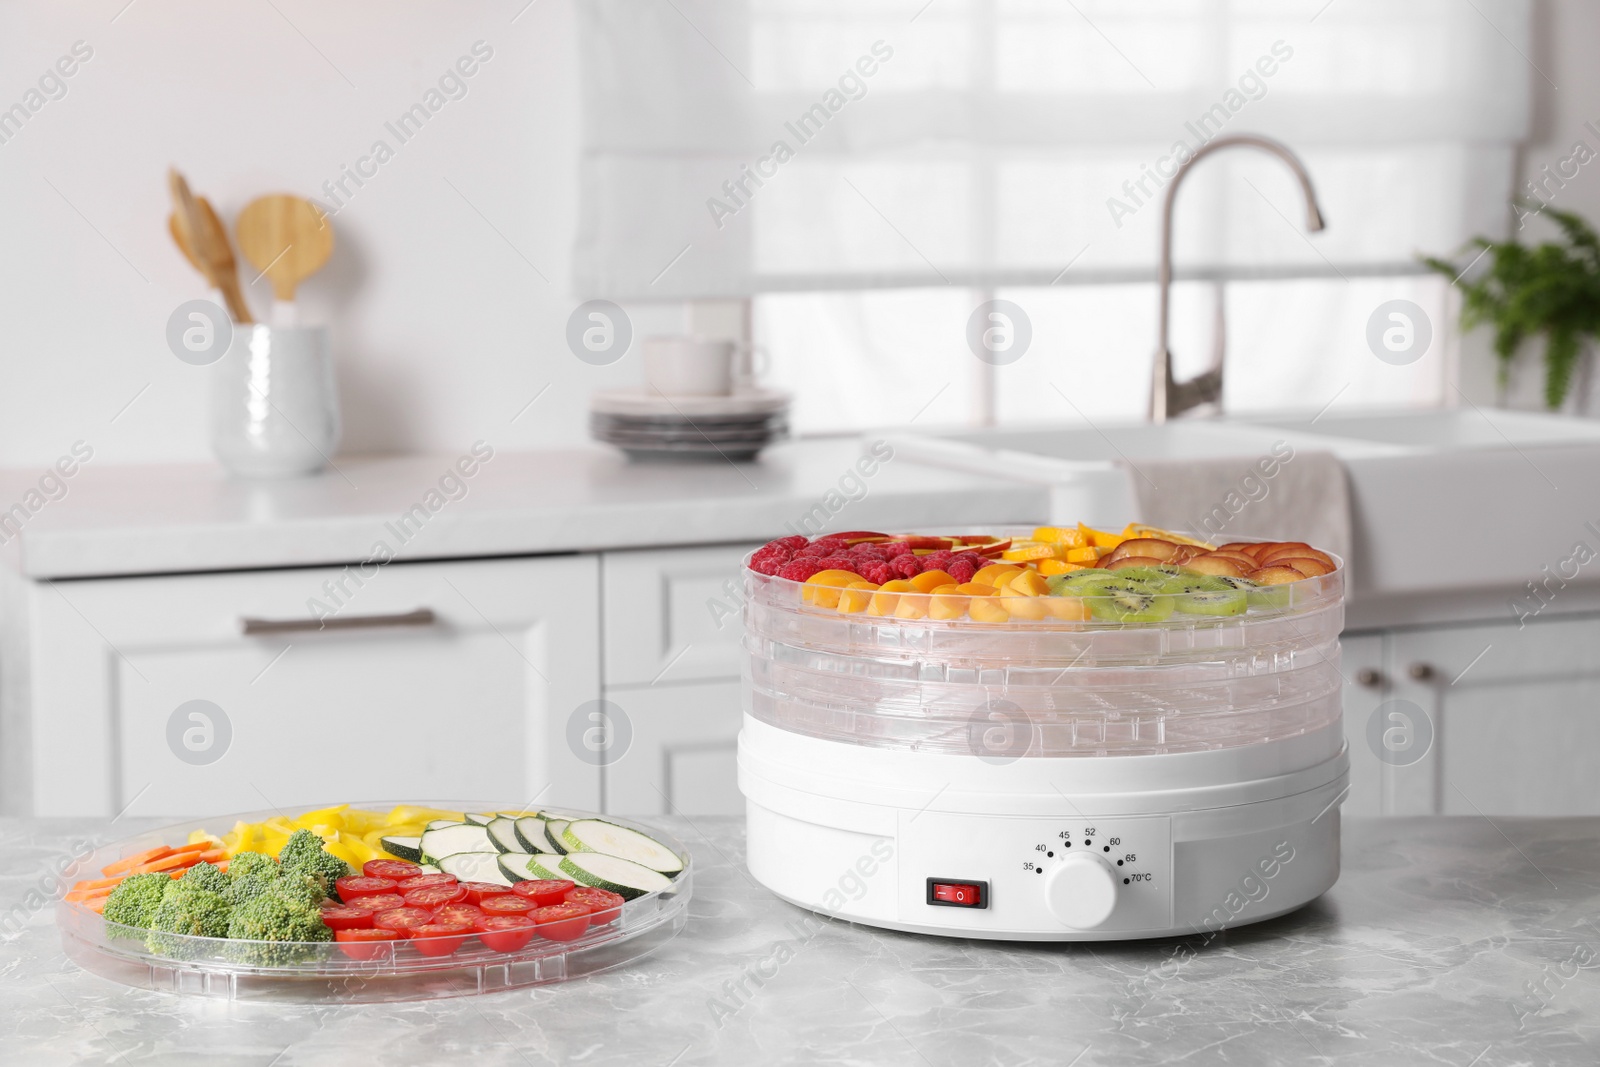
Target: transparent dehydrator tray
(1070,688)
(322,972)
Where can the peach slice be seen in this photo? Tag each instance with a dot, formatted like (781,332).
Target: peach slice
(913,606)
(928,581)
(1247,562)
(1028,583)
(944,605)
(1275,575)
(822,588)
(988,609)
(1135,561)
(887,597)
(1300,552)
(1024,607)
(994,572)
(855,597)
(1311,568)
(1148,547)
(1069,608)
(1213,564)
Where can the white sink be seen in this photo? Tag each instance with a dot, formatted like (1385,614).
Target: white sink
(1448,506)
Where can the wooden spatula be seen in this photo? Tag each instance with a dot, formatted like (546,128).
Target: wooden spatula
(286,238)
(204,240)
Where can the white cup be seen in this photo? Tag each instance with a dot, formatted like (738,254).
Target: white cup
(696,366)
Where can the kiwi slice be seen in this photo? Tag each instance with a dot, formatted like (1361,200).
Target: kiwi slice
(1156,576)
(1205,594)
(1129,601)
(1080,583)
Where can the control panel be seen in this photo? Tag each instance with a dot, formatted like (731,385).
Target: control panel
(1042,874)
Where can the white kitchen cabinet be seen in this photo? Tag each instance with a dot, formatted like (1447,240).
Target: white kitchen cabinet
(1362,661)
(451,680)
(672,614)
(682,756)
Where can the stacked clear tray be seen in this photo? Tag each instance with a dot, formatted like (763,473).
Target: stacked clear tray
(321,972)
(1052,687)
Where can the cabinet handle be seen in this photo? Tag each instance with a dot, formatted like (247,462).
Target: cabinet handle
(1420,672)
(1369,678)
(419,617)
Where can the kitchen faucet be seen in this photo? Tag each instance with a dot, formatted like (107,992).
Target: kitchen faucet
(1168,397)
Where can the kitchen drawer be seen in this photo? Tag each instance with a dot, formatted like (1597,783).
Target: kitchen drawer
(474,703)
(682,756)
(672,615)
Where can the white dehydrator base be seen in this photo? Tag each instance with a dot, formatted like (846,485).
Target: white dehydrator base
(1207,840)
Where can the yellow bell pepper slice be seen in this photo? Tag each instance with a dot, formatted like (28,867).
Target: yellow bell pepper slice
(1070,536)
(1139,529)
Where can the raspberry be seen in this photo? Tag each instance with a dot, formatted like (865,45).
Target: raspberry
(962,571)
(770,565)
(840,563)
(799,569)
(870,550)
(973,558)
(896,549)
(906,566)
(822,547)
(940,559)
(773,551)
(794,542)
(876,572)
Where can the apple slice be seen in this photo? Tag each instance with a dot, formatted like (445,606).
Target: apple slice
(1311,568)
(1135,561)
(1212,563)
(1276,575)
(1147,547)
(1298,552)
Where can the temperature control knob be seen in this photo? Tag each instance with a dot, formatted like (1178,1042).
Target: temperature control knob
(1081,891)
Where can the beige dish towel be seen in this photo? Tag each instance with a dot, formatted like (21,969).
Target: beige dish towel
(1284,495)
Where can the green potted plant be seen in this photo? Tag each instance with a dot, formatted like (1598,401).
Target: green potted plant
(1552,289)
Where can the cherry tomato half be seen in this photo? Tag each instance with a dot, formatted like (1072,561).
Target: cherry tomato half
(506,933)
(381,902)
(408,884)
(476,891)
(440,939)
(604,905)
(358,886)
(403,921)
(434,896)
(459,913)
(347,918)
(506,904)
(544,891)
(562,922)
(366,944)
(398,870)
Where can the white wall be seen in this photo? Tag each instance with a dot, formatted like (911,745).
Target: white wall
(442,326)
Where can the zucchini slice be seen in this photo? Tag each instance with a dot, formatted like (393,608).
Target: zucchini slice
(553,828)
(440,824)
(479,820)
(523,866)
(428,868)
(596,835)
(406,848)
(503,835)
(475,867)
(457,837)
(530,835)
(625,877)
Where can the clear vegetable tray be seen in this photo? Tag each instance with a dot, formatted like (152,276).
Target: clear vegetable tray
(894,674)
(322,972)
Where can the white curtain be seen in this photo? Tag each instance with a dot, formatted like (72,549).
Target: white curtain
(734,147)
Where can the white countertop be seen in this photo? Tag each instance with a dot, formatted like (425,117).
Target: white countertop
(178,518)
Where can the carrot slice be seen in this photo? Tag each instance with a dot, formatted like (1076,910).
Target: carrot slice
(80,895)
(195,846)
(96,883)
(98,904)
(167,863)
(127,863)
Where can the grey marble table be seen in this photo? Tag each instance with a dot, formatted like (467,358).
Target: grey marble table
(1446,941)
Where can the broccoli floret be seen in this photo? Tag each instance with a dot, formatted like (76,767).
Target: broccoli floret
(299,888)
(246,864)
(247,888)
(190,910)
(304,855)
(135,899)
(272,931)
(206,876)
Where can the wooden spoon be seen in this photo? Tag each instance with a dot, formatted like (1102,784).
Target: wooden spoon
(198,231)
(286,238)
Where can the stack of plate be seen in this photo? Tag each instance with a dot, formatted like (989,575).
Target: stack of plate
(647,425)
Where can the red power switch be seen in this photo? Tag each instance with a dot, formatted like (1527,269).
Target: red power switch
(960,894)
